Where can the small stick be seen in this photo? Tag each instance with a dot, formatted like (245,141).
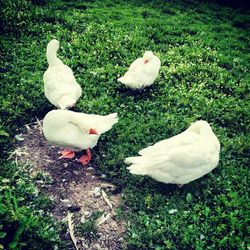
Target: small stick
(71,230)
(103,218)
(105,197)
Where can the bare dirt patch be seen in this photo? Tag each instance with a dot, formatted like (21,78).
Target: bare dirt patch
(74,189)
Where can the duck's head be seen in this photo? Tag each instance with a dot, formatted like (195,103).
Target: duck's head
(147,56)
(200,127)
(54,44)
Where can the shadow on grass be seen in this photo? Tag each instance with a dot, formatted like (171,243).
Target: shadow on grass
(142,93)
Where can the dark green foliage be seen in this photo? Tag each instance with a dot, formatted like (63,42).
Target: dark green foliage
(39,2)
(244,4)
(24,220)
(88,229)
(15,15)
(204,50)
(204,219)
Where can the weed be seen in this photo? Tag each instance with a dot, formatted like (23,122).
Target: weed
(88,229)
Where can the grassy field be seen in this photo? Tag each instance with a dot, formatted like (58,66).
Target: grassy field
(204,50)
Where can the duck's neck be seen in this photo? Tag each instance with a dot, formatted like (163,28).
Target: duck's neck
(52,58)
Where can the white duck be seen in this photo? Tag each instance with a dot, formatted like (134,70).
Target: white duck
(60,85)
(142,72)
(76,131)
(181,158)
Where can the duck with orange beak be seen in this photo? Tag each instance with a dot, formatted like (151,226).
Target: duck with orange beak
(142,72)
(76,131)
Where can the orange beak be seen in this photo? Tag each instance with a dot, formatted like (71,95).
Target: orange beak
(146,61)
(93,131)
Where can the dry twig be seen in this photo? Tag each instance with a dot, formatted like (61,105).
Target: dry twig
(105,197)
(71,230)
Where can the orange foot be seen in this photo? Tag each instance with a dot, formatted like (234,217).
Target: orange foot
(85,159)
(68,154)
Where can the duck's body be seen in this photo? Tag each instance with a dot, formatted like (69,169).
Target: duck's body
(142,72)
(76,131)
(60,85)
(181,158)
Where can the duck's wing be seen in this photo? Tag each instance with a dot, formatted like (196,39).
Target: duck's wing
(174,149)
(180,150)
(142,74)
(188,155)
(181,164)
(161,151)
(152,68)
(135,64)
(61,74)
(161,147)
(157,62)
(60,81)
(97,122)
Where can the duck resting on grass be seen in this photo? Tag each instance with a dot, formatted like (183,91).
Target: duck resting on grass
(60,86)
(142,72)
(181,158)
(76,131)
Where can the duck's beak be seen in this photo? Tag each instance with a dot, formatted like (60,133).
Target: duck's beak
(146,61)
(93,131)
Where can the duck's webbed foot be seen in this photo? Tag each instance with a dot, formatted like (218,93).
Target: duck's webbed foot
(85,159)
(67,154)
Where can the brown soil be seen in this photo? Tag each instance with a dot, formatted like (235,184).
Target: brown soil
(73,188)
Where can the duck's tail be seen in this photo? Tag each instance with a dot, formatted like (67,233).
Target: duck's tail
(108,122)
(145,165)
(137,166)
(66,102)
(129,81)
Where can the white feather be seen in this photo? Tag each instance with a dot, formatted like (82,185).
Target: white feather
(60,85)
(70,129)
(141,74)
(181,158)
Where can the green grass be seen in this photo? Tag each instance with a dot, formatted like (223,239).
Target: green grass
(204,52)
(25,222)
(88,228)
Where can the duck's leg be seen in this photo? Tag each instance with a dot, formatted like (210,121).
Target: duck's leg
(68,154)
(85,159)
